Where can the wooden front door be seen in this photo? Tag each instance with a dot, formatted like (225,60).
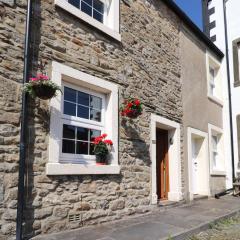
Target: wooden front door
(162,164)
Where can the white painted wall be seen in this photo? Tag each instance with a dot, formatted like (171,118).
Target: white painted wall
(233,24)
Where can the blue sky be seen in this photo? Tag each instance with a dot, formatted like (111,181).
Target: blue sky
(193,9)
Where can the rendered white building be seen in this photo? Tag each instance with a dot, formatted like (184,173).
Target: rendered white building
(222,24)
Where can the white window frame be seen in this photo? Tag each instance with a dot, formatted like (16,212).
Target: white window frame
(110,25)
(212,63)
(63,75)
(81,122)
(216,131)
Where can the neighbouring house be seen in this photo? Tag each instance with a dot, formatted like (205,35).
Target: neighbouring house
(222,24)
(100,53)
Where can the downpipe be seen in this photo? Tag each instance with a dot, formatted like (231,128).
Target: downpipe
(22,154)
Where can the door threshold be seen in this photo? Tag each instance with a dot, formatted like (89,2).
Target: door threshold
(197,197)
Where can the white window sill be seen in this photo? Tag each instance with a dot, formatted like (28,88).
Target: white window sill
(215,100)
(218,173)
(79,14)
(80,169)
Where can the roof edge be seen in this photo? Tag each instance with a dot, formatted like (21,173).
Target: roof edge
(194,27)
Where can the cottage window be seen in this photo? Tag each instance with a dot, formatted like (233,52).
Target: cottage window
(101,14)
(216,147)
(93,8)
(236,62)
(87,108)
(83,119)
(214,78)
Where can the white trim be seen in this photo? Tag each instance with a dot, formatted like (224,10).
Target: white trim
(64,73)
(205,189)
(173,128)
(112,27)
(75,169)
(214,129)
(216,65)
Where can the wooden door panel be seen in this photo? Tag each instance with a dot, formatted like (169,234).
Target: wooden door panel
(162,164)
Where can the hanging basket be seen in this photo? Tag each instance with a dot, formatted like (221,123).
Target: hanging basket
(44,91)
(131,108)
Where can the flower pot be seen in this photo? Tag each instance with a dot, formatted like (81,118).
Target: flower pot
(101,159)
(133,114)
(44,91)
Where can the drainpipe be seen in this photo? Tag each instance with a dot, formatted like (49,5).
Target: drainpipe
(22,154)
(229,89)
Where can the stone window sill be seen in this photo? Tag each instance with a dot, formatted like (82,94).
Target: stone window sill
(79,14)
(215,100)
(80,169)
(218,173)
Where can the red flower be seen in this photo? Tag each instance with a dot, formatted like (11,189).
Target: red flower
(130,105)
(33,79)
(104,135)
(108,141)
(137,102)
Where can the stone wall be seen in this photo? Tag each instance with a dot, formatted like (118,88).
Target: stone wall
(12,28)
(144,64)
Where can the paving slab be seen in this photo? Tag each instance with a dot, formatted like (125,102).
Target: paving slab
(173,223)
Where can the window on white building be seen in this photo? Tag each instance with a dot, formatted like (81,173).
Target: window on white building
(87,108)
(216,150)
(214,79)
(102,14)
(236,62)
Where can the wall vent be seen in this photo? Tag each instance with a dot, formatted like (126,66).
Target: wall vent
(74,217)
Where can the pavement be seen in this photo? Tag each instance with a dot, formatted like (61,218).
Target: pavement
(176,223)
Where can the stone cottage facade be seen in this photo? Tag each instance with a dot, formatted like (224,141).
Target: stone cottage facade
(132,51)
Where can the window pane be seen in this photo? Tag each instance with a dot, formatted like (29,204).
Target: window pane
(68,146)
(98,5)
(94,133)
(95,115)
(82,147)
(82,133)
(91,149)
(88,2)
(214,142)
(86,8)
(69,109)
(75,3)
(98,16)
(83,112)
(68,131)
(70,94)
(95,102)
(83,98)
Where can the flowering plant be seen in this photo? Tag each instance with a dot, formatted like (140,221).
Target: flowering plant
(41,86)
(132,108)
(102,147)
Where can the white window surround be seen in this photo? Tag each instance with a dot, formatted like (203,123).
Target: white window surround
(74,121)
(173,128)
(60,74)
(111,20)
(204,188)
(211,62)
(216,131)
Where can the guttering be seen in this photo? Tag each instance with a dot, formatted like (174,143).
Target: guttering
(229,90)
(193,27)
(22,154)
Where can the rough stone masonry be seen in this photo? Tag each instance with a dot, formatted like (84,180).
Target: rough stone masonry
(145,64)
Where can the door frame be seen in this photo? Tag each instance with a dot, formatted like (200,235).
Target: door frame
(205,189)
(175,183)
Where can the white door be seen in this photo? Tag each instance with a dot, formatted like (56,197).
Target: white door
(194,166)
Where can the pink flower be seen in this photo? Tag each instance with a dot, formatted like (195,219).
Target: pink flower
(42,77)
(33,79)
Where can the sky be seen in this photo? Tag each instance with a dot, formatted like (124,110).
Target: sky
(193,9)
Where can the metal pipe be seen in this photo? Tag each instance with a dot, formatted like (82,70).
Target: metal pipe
(22,154)
(229,89)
